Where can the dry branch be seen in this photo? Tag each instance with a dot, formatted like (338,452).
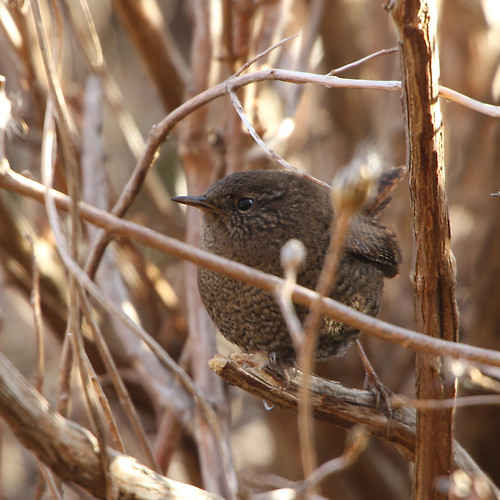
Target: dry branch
(371,326)
(334,403)
(145,25)
(72,452)
(434,270)
(58,442)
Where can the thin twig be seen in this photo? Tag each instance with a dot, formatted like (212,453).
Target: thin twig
(382,52)
(48,477)
(169,432)
(303,57)
(264,53)
(311,325)
(356,441)
(5,116)
(64,386)
(398,401)
(283,295)
(162,355)
(291,259)
(93,381)
(468,102)
(118,383)
(251,130)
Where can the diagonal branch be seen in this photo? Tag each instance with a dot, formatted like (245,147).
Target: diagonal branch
(160,132)
(334,403)
(371,326)
(72,452)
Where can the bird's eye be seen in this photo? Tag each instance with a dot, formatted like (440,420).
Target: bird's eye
(244,204)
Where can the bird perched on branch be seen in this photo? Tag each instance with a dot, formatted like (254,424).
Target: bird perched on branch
(249,216)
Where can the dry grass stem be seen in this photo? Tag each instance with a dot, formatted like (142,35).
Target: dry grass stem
(86,371)
(37,319)
(84,280)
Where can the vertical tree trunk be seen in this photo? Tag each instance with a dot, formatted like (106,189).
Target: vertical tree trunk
(433,268)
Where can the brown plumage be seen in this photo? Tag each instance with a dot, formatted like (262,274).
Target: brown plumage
(248,216)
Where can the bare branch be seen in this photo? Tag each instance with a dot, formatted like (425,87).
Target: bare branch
(146,28)
(251,130)
(263,54)
(334,403)
(379,53)
(58,442)
(160,132)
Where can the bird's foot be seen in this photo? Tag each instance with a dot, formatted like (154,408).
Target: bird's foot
(374,384)
(285,368)
(380,391)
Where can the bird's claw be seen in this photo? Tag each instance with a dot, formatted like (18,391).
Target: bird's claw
(285,368)
(380,391)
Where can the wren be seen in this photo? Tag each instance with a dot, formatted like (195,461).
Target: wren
(247,217)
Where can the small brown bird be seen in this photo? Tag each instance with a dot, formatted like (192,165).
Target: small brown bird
(248,216)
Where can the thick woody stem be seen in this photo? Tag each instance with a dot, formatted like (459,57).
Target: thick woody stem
(434,267)
(58,442)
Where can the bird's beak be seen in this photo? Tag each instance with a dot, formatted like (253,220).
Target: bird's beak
(194,201)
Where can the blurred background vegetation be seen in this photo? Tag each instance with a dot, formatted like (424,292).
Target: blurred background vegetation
(154,58)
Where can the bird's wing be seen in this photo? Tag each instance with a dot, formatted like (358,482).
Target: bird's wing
(372,241)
